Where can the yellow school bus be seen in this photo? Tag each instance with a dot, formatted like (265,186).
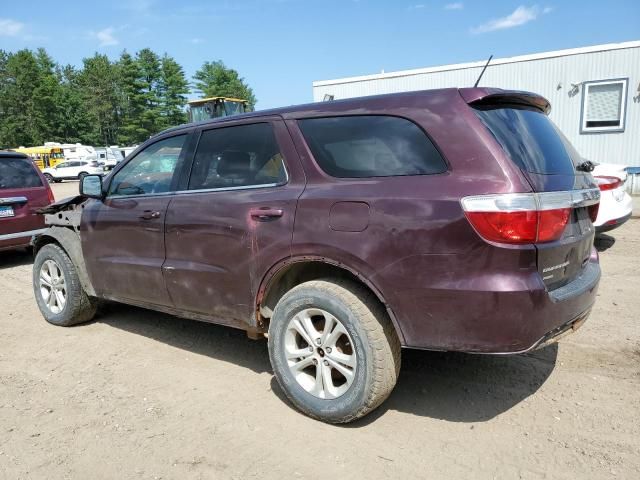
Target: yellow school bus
(43,157)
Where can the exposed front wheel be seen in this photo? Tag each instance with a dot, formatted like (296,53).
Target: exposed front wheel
(56,285)
(333,350)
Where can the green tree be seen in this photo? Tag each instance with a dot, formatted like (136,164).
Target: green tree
(173,91)
(132,100)
(150,67)
(215,79)
(19,116)
(46,94)
(98,84)
(72,121)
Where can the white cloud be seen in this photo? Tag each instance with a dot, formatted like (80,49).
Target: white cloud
(416,7)
(454,6)
(106,38)
(10,28)
(519,16)
(196,41)
(547,10)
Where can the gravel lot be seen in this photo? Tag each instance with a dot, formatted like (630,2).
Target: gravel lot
(138,394)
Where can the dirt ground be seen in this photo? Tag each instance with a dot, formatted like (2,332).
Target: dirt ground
(142,395)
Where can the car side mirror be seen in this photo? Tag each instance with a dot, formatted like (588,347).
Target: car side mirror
(91,186)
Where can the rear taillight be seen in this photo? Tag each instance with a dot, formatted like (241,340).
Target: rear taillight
(519,218)
(50,196)
(607,183)
(593,211)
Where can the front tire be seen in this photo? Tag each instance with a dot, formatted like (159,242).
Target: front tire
(56,285)
(333,349)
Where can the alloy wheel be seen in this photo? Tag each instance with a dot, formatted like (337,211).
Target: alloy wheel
(320,353)
(53,288)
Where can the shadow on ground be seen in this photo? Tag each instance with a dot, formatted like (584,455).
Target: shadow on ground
(603,242)
(15,258)
(448,386)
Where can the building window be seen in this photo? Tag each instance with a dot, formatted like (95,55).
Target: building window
(604,106)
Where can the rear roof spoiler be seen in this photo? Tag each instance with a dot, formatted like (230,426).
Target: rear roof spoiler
(496,96)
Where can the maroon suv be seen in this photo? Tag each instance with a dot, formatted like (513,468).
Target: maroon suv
(457,219)
(23,190)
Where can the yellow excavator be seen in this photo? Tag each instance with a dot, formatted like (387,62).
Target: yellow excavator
(215,107)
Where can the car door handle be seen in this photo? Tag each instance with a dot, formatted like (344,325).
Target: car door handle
(149,215)
(264,214)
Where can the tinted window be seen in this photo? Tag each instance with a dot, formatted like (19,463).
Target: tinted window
(150,171)
(238,156)
(530,139)
(371,146)
(17,173)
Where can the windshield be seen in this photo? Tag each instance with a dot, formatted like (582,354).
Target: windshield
(200,112)
(532,141)
(233,108)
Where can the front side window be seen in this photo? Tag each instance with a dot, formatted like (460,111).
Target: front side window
(239,156)
(603,106)
(151,171)
(371,146)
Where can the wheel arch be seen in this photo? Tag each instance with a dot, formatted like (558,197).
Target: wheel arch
(69,241)
(293,271)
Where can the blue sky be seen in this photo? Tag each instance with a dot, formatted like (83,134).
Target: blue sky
(282,46)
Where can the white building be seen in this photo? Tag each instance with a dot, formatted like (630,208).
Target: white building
(594,92)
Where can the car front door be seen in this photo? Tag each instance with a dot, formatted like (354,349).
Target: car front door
(62,169)
(235,220)
(123,234)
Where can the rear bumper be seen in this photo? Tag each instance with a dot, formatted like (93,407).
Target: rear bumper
(611,224)
(512,320)
(18,239)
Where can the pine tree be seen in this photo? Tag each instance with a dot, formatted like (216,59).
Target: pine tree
(131,101)
(214,79)
(173,92)
(149,64)
(21,78)
(100,98)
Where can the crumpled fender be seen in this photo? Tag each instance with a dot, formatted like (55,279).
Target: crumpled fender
(69,240)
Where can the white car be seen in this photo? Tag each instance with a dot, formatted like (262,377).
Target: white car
(615,203)
(73,170)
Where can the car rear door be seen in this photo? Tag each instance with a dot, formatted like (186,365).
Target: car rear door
(234,221)
(123,234)
(22,191)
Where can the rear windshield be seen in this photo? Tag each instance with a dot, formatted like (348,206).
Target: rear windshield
(18,173)
(532,141)
(371,146)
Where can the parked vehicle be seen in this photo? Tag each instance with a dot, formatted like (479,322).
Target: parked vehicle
(46,156)
(23,189)
(73,170)
(109,157)
(616,204)
(446,219)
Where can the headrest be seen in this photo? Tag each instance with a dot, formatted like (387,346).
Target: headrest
(234,163)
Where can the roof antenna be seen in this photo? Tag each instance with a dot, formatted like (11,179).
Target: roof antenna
(482,72)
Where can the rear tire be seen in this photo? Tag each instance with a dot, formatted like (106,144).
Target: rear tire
(57,288)
(341,380)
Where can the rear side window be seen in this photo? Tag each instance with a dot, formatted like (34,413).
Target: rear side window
(17,173)
(531,140)
(239,156)
(371,146)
